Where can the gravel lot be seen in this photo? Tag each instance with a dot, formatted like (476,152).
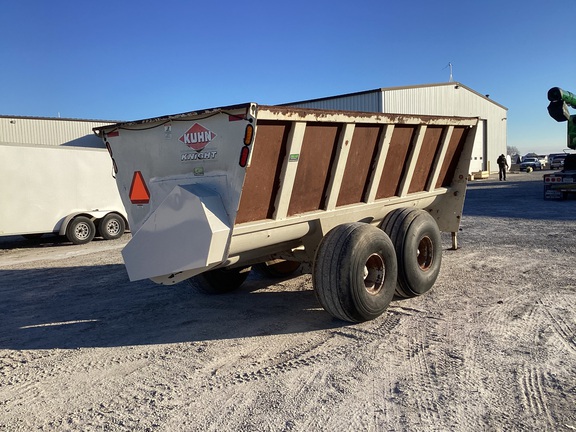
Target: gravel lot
(491,348)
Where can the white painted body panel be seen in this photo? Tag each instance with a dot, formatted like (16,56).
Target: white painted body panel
(43,187)
(190,217)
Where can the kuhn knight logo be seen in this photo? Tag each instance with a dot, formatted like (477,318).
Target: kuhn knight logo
(197,137)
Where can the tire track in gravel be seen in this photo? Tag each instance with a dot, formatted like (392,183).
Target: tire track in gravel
(320,348)
(417,389)
(69,379)
(407,391)
(564,329)
(11,361)
(531,382)
(315,351)
(424,376)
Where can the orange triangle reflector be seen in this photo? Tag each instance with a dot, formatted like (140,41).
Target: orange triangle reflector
(138,191)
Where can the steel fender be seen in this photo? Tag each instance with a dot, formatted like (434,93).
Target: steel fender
(190,230)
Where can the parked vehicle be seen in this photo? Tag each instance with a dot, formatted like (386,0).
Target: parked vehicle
(543,160)
(557,161)
(530,164)
(63,190)
(358,199)
(560,184)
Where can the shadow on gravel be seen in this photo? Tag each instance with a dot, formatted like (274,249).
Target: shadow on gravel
(521,196)
(39,241)
(96,306)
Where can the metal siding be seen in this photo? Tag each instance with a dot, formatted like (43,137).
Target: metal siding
(454,100)
(18,130)
(451,99)
(369,101)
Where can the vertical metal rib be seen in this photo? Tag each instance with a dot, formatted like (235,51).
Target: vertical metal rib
(412,160)
(439,159)
(337,174)
(289,168)
(383,146)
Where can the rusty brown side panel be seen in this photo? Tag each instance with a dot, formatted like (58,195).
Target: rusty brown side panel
(423,170)
(317,158)
(363,150)
(451,160)
(312,176)
(263,175)
(395,161)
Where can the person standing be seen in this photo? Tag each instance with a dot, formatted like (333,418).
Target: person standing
(502,167)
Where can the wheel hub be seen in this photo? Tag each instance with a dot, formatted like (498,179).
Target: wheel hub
(374,274)
(113,227)
(82,231)
(425,253)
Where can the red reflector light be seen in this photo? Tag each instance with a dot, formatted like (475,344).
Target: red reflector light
(244,153)
(138,191)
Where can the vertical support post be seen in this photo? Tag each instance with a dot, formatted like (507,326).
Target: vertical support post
(289,167)
(413,160)
(344,143)
(454,240)
(383,146)
(439,160)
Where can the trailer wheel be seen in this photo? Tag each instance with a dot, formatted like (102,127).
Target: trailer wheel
(220,281)
(112,226)
(278,268)
(354,272)
(418,245)
(80,230)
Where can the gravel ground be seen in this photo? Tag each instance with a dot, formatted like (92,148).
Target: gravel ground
(492,347)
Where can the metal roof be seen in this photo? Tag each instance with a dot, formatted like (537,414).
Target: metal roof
(20,117)
(385,89)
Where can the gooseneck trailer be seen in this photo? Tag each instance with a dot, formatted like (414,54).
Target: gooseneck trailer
(358,199)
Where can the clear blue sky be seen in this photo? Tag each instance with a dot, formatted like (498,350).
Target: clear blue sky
(121,60)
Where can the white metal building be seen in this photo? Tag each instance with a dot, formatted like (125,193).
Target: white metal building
(451,99)
(50,131)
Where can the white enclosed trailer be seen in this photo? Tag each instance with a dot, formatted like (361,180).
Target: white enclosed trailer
(357,198)
(64,190)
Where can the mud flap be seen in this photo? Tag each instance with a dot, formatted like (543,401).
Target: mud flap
(190,230)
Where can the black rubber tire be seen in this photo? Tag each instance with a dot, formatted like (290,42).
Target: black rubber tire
(112,226)
(418,246)
(354,272)
(80,230)
(220,281)
(278,268)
